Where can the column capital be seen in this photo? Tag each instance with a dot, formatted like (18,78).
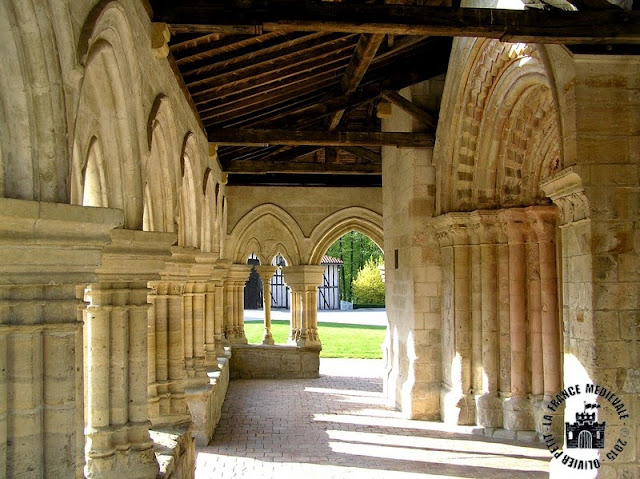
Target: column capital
(515,224)
(53,243)
(135,255)
(452,228)
(302,277)
(543,222)
(567,191)
(239,273)
(266,271)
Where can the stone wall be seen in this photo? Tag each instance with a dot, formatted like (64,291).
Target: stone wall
(253,361)
(299,223)
(413,285)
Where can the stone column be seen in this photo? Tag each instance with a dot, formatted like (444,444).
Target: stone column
(117,431)
(234,326)
(296,320)
(489,405)
(46,249)
(458,397)
(544,229)
(517,414)
(266,272)
(304,281)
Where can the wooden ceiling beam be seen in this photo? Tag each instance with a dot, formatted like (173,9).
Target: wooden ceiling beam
(259,166)
(288,46)
(229,48)
(414,110)
(531,26)
(267,73)
(362,57)
(403,74)
(232,102)
(231,136)
(223,94)
(364,153)
(256,104)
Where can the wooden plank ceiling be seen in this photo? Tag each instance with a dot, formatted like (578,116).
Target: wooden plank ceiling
(295,103)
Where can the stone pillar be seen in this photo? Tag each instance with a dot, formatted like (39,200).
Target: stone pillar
(458,398)
(266,272)
(296,320)
(517,414)
(234,325)
(167,402)
(489,405)
(117,431)
(46,249)
(598,200)
(544,228)
(304,281)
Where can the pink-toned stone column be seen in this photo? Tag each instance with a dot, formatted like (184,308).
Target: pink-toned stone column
(489,405)
(459,405)
(517,408)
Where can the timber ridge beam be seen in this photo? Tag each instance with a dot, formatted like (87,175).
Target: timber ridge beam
(529,26)
(251,137)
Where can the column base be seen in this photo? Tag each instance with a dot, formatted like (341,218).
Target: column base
(459,408)
(518,414)
(267,339)
(176,451)
(557,423)
(135,460)
(489,411)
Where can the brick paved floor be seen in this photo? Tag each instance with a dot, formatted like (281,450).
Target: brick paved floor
(338,426)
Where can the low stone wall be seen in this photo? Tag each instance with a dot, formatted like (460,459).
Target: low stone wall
(175,451)
(175,446)
(257,361)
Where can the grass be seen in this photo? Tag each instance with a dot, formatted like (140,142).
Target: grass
(338,340)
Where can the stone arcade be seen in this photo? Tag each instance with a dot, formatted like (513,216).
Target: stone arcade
(125,222)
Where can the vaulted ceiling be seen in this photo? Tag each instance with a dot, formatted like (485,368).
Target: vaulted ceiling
(289,89)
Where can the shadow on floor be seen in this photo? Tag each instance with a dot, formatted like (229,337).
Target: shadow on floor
(339,426)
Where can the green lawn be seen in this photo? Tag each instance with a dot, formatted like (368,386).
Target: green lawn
(338,340)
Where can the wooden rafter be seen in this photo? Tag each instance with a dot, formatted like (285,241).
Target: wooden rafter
(534,26)
(362,57)
(414,110)
(364,153)
(261,74)
(229,136)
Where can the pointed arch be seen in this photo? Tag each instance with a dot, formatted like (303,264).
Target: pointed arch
(329,230)
(278,233)
(109,109)
(189,198)
(33,121)
(161,170)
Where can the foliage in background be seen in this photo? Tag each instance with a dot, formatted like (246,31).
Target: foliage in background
(338,340)
(354,249)
(368,287)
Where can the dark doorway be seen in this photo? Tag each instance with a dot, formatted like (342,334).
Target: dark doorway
(253,287)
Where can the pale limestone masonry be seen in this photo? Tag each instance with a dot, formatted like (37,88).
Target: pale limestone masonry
(46,249)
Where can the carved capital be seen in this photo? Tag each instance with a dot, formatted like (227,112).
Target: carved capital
(567,191)
(160,37)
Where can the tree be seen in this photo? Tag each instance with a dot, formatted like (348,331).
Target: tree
(354,249)
(368,287)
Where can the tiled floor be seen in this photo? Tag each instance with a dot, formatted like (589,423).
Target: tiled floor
(338,426)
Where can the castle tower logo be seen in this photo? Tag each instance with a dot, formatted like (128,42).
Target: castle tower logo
(586,445)
(586,432)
